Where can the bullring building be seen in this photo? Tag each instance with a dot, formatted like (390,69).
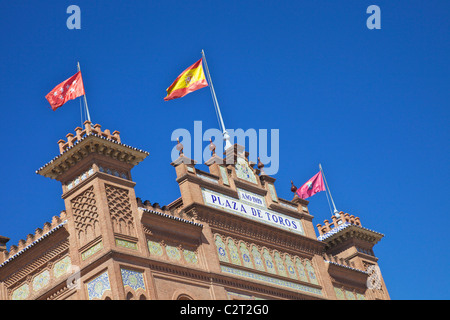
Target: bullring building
(227,235)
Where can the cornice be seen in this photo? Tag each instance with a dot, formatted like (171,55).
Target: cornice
(91,143)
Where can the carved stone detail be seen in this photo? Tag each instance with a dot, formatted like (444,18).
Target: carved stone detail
(85,215)
(119,206)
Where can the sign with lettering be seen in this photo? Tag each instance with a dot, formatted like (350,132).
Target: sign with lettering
(251,208)
(252,198)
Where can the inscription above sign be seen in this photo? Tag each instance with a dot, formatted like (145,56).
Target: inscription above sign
(250,207)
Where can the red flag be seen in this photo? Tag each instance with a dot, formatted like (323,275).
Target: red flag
(310,188)
(67,90)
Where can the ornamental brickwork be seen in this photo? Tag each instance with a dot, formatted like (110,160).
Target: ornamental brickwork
(228,235)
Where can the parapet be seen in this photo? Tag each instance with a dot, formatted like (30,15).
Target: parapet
(339,219)
(89,129)
(32,239)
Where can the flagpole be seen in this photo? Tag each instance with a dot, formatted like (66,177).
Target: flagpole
(336,213)
(85,100)
(216,105)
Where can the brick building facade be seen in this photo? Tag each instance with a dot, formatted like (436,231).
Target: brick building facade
(228,236)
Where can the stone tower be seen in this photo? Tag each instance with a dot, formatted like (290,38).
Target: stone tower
(94,168)
(349,244)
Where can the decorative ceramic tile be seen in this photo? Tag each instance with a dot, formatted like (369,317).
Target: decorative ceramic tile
(268,261)
(61,267)
(190,256)
(360,296)
(301,270)
(259,277)
(126,244)
(311,272)
(92,250)
(133,279)
(173,253)
(21,293)
(233,252)
(41,280)
(97,287)
(290,267)
(224,174)
(245,255)
(339,294)
(280,265)
(154,248)
(243,171)
(273,194)
(206,178)
(221,249)
(350,295)
(259,265)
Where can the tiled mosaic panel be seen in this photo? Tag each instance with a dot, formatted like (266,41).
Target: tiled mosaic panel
(342,294)
(97,287)
(311,272)
(133,279)
(276,263)
(61,267)
(174,253)
(301,270)
(270,267)
(339,294)
(126,244)
(221,249)
(92,250)
(245,255)
(21,293)
(290,268)
(280,265)
(259,264)
(260,277)
(41,280)
(224,174)
(154,248)
(190,256)
(234,254)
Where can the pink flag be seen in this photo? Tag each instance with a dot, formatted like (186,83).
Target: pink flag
(312,186)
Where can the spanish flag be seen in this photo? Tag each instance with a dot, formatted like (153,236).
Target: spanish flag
(188,81)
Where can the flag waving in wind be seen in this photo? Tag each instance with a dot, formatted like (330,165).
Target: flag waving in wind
(67,90)
(188,81)
(312,186)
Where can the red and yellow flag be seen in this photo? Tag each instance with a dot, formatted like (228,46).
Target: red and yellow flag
(188,81)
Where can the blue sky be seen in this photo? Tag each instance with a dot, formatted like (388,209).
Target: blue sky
(371,105)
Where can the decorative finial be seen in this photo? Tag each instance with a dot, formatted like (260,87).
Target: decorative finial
(179,147)
(212,147)
(293,188)
(261,166)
